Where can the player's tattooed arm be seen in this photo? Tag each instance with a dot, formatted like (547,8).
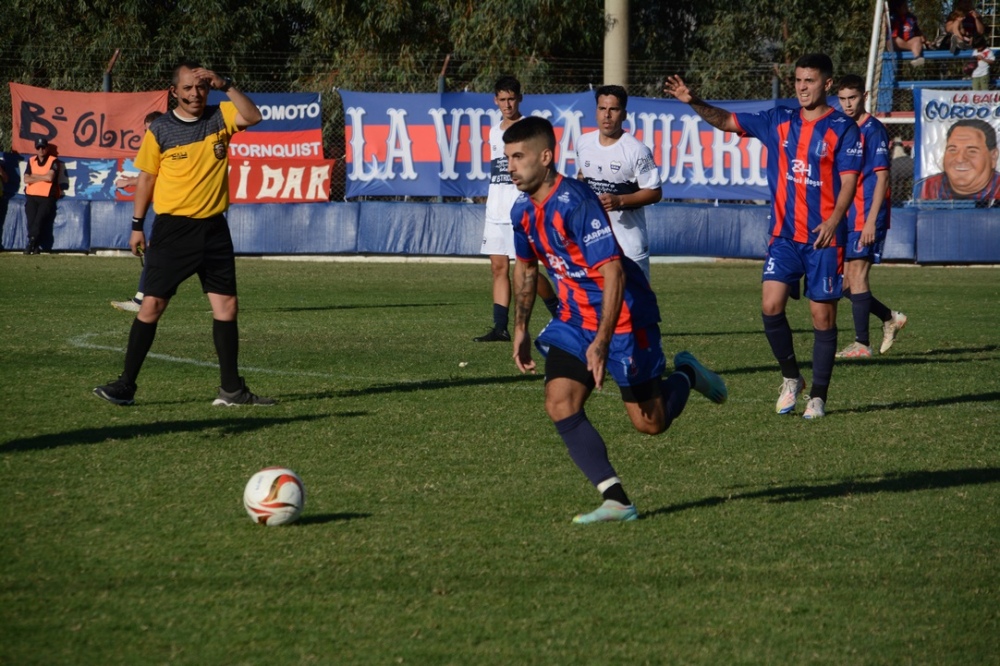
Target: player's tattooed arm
(713,115)
(525,285)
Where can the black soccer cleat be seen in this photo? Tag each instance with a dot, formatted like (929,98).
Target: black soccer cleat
(119,392)
(494,335)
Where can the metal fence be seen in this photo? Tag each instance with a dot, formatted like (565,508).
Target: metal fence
(269,73)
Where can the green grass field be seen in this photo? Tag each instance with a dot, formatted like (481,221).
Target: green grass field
(437,529)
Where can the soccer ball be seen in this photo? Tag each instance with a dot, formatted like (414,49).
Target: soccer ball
(274,496)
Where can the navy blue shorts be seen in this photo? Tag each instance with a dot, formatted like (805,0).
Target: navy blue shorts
(855,250)
(180,247)
(787,261)
(635,360)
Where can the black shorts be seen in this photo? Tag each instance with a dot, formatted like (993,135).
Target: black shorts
(180,247)
(561,364)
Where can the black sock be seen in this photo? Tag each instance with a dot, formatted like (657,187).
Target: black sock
(226,336)
(500,314)
(861,309)
(140,339)
(779,336)
(617,493)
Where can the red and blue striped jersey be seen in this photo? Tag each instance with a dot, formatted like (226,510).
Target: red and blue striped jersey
(875,157)
(569,233)
(804,163)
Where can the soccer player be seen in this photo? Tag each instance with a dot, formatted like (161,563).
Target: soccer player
(183,163)
(498,234)
(620,170)
(867,223)
(813,161)
(608,316)
(132,304)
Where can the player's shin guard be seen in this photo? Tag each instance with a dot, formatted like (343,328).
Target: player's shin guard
(824,351)
(779,336)
(140,340)
(226,336)
(861,309)
(586,447)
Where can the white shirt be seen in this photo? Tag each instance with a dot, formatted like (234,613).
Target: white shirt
(502,191)
(624,167)
(984,58)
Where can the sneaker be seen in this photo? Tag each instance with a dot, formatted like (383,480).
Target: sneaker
(815,409)
(242,396)
(494,335)
(890,329)
(119,392)
(855,350)
(609,512)
(790,391)
(917,62)
(706,382)
(130,305)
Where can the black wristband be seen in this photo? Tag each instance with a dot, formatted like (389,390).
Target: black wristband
(138,223)
(227,83)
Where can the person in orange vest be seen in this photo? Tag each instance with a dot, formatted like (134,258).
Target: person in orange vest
(41,187)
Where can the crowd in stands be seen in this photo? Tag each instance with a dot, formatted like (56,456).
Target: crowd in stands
(963,29)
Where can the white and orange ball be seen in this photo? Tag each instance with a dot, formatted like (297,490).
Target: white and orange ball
(274,496)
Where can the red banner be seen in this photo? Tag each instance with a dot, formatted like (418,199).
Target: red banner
(80,124)
(279,180)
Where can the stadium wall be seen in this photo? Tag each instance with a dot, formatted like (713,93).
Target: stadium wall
(455,229)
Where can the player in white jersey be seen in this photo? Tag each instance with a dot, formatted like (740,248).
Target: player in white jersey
(621,171)
(498,233)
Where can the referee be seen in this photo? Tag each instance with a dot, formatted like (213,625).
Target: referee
(183,169)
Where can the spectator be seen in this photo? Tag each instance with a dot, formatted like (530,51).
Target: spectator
(983,57)
(963,25)
(41,180)
(906,35)
(901,172)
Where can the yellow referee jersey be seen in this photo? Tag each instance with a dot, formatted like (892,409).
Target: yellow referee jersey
(190,160)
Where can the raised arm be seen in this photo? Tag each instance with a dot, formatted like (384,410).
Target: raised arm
(247,113)
(713,115)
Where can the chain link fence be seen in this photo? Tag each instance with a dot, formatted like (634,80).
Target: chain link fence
(272,73)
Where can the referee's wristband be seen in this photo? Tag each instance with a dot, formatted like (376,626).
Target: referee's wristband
(138,223)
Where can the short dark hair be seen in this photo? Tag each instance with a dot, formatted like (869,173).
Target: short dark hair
(979,42)
(507,84)
(151,116)
(531,127)
(851,82)
(989,133)
(183,64)
(617,91)
(820,61)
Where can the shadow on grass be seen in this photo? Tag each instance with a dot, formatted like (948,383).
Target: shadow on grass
(365,306)
(146,431)
(892,482)
(330,518)
(425,385)
(918,404)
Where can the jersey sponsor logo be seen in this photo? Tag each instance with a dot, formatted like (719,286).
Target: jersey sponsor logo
(800,166)
(616,166)
(645,165)
(563,198)
(179,156)
(597,234)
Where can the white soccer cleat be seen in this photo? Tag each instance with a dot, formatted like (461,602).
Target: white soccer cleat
(891,329)
(855,350)
(126,306)
(815,409)
(790,391)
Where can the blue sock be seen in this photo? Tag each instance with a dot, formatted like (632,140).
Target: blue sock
(861,310)
(824,351)
(500,314)
(675,390)
(586,447)
(779,335)
(880,310)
